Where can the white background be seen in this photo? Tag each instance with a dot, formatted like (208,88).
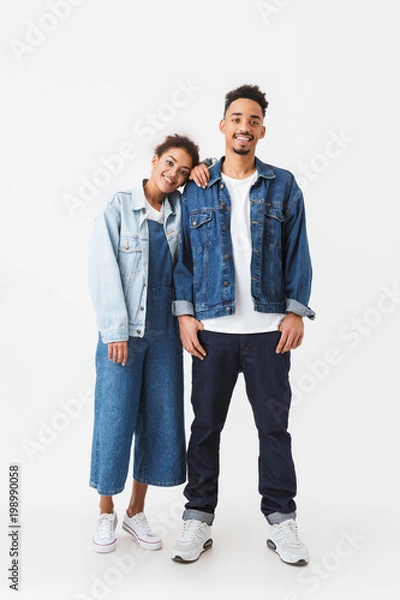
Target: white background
(102,74)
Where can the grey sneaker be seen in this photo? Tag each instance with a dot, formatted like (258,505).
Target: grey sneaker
(195,539)
(104,539)
(140,530)
(284,540)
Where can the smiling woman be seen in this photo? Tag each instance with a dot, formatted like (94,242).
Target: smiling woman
(139,366)
(171,168)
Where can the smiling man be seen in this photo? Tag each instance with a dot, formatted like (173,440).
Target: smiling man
(242,284)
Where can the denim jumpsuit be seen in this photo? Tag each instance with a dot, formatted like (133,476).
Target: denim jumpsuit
(143,399)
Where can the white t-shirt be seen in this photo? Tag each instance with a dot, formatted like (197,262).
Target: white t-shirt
(153,214)
(245,319)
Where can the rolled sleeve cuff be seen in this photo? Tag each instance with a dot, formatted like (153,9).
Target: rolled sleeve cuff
(182,307)
(114,335)
(299,309)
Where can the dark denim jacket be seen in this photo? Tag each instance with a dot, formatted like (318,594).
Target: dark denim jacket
(280,263)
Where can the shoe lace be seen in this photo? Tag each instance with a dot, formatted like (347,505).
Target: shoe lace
(290,533)
(106,526)
(143,524)
(191,530)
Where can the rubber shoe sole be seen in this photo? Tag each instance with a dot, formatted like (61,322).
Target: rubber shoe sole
(300,563)
(141,543)
(104,547)
(206,546)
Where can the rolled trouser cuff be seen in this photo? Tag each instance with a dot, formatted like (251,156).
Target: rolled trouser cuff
(278,517)
(198,515)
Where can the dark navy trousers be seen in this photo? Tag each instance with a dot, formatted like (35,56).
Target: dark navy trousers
(266,376)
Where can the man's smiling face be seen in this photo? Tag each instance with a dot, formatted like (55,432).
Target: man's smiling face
(243,126)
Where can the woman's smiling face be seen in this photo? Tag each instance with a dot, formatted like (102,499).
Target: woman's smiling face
(171,170)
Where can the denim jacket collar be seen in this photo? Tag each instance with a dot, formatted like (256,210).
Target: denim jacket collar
(263,170)
(138,200)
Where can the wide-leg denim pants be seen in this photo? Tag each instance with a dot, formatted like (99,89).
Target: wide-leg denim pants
(266,375)
(143,399)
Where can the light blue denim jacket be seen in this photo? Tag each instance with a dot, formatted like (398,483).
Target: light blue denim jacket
(119,259)
(280,264)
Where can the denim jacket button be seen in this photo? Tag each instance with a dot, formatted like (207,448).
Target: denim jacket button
(226,283)
(139,331)
(228,309)
(142,308)
(226,255)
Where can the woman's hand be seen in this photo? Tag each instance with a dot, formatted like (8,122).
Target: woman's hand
(118,352)
(200,175)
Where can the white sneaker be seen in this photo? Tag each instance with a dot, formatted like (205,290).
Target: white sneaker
(195,539)
(139,528)
(284,540)
(104,539)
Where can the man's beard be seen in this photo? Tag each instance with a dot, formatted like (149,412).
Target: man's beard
(240,151)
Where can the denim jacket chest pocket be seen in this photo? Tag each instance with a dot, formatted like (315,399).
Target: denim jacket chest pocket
(200,223)
(273,223)
(129,255)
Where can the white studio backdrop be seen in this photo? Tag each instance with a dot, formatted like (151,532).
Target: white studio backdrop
(89,88)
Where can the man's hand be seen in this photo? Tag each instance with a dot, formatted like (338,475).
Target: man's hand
(200,175)
(118,352)
(292,329)
(189,327)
